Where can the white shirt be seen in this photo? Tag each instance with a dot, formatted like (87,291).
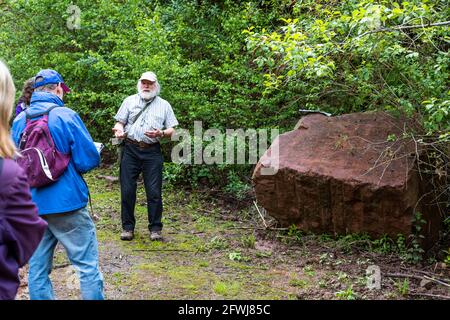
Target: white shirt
(158,115)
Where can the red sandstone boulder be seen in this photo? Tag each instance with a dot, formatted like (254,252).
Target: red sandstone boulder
(345,174)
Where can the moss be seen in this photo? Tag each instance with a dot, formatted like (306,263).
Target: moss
(300,283)
(184,281)
(118,278)
(156,268)
(227,289)
(203,264)
(60,258)
(240,266)
(104,235)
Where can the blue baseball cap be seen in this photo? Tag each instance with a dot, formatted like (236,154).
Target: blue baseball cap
(50,76)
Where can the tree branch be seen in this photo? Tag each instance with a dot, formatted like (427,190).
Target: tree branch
(429,295)
(417,26)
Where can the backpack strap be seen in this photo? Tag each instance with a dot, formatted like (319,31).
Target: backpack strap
(1,165)
(40,113)
(94,216)
(136,117)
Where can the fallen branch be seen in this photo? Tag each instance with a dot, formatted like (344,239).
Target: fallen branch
(108,178)
(401,275)
(427,273)
(207,211)
(114,264)
(60,266)
(256,228)
(441,282)
(438,296)
(264,221)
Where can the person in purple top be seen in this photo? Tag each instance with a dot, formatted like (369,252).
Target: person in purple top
(21,229)
(25,98)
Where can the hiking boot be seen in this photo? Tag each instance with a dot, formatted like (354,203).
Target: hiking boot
(127,235)
(155,236)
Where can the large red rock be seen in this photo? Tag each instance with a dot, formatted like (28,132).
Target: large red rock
(346,174)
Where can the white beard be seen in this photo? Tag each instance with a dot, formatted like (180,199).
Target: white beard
(146,95)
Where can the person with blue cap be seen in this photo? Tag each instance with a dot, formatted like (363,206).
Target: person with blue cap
(63,203)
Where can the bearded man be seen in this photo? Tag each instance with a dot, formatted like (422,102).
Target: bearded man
(142,121)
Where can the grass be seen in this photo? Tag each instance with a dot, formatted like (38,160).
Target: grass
(346,294)
(227,289)
(301,283)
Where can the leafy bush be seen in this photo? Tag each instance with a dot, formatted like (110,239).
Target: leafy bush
(355,56)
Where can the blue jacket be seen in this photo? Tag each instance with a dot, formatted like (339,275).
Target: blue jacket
(70,135)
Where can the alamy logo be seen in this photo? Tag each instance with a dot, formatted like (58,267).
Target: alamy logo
(74,20)
(373,274)
(234,146)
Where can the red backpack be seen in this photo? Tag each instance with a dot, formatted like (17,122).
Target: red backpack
(41,161)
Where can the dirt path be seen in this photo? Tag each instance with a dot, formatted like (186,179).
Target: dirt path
(209,252)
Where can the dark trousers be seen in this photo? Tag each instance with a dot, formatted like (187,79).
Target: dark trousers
(149,161)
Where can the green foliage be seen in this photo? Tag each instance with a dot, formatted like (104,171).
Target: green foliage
(236,186)
(412,251)
(309,271)
(263,254)
(227,289)
(294,233)
(248,241)
(447,224)
(447,257)
(353,56)
(391,137)
(438,114)
(409,250)
(235,256)
(403,287)
(384,245)
(172,173)
(346,294)
(300,283)
(218,243)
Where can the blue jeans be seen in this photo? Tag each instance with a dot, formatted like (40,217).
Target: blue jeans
(76,232)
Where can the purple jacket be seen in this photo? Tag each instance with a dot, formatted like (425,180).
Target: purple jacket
(21,229)
(20,107)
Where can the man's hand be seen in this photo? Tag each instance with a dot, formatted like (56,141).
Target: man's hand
(119,130)
(119,133)
(154,133)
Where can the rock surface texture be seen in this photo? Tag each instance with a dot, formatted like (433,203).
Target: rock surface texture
(347,174)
